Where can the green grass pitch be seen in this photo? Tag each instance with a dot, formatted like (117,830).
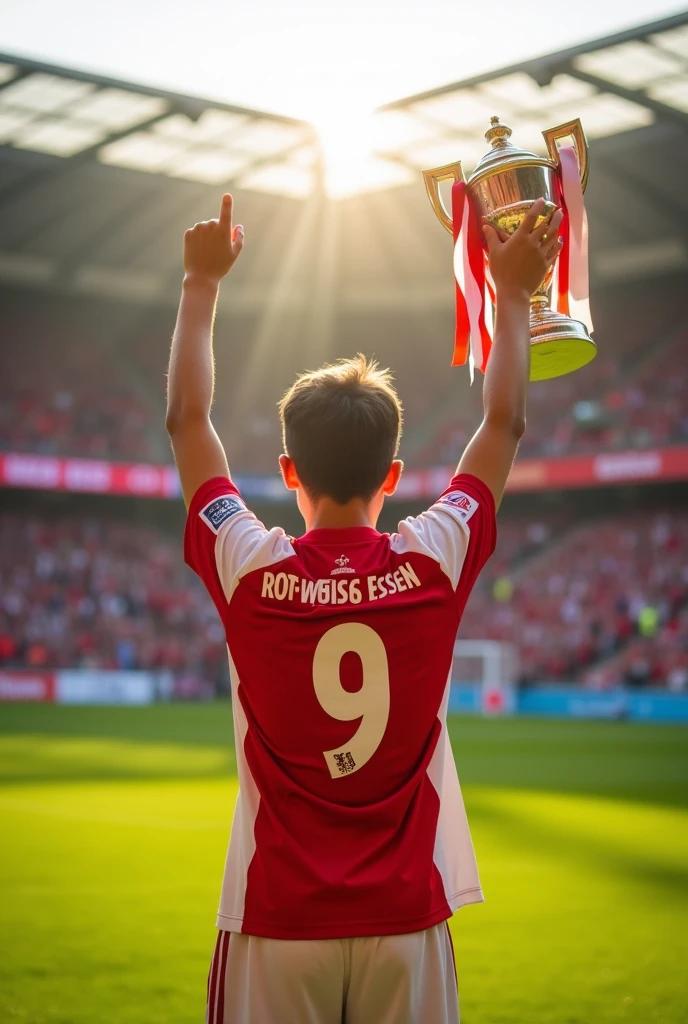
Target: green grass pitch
(114,825)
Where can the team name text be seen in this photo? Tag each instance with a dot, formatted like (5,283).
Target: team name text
(283,586)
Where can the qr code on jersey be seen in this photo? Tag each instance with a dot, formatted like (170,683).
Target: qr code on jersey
(219,510)
(461,502)
(345,762)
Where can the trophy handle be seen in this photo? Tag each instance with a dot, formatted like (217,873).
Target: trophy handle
(432,181)
(575,130)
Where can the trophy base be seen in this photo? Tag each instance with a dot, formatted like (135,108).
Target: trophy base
(559,344)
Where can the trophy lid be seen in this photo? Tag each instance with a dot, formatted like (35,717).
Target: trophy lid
(504,155)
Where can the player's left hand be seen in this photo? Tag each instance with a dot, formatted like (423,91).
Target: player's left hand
(519,262)
(211,247)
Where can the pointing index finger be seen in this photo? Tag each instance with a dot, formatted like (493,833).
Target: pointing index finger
(226,214)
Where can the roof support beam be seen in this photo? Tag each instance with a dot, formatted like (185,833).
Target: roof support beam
(21,73)
(59,166)
(262,161)
(542,69)
(190,105)
(663,112)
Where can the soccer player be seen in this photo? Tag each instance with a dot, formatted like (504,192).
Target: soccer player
(350,848)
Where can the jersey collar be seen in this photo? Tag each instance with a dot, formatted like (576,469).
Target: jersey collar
(339,535)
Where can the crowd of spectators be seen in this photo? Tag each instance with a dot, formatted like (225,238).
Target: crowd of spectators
(96,593)
(602,602)
(627,397)
(609,593)
(89,381)
(67,390)
(77,421)
(658,660)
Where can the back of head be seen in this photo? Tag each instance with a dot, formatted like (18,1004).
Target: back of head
(341,426)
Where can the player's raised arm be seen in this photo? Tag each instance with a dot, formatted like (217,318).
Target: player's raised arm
(518,265)
(210,249)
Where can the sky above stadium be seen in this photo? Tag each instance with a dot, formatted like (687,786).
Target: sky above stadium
(317,60)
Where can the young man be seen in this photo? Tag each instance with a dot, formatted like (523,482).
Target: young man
(350,848)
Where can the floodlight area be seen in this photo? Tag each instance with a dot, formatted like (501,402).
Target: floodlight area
(44,93)
(211,127)
(59,136)
(671,91)
(61,116)
(283,179)
(117,110)
(673,40)
(612,89)
(220,146)
(656,67)
(633,65)
(353,152)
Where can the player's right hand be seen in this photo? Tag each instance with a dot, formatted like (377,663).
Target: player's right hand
(211,247)
(520,262)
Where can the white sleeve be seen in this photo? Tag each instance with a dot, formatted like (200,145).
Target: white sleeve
(438,534)
(224,540)
(243,545)
(458,531)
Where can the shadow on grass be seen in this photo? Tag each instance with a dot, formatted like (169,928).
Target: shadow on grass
(48,743)
(642,843)
(625,761)
(622,760)
(195,724)
(32,758)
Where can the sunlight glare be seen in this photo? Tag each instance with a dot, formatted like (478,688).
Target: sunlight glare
(345,131)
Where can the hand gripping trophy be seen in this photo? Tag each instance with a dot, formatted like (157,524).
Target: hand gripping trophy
(501,189)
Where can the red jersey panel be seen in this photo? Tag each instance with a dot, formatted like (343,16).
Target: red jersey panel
(349,819)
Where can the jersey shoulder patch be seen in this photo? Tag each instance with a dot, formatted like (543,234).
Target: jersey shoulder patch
(462,504)
(219,510)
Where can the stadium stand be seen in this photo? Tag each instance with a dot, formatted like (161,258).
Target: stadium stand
(97,593)
(633,394)
(611,587)
(66,390)
(592,601)
(72,387)
(590,589)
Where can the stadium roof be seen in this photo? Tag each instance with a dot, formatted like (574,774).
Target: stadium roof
(98,177)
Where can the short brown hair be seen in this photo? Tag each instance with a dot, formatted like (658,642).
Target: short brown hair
(341,425)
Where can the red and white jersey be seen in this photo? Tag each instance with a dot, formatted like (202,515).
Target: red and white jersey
(349,819)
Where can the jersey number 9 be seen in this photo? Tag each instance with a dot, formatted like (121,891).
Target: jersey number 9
(370,703)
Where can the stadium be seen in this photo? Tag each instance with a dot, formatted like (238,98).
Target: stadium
(569,697)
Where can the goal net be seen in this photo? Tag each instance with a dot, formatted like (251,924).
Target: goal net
(484,674)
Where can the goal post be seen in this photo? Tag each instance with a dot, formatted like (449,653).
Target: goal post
(484,674)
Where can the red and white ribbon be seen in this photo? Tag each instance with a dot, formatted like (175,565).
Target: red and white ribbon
(573,286)
(473,339)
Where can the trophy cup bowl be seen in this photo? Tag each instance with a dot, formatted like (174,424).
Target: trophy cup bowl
(503,186)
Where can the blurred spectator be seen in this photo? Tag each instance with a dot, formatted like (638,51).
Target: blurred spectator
(99,594)
(615,585)
(73,400)
(602,601)
(89,380)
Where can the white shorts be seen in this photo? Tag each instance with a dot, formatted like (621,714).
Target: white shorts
(393,979)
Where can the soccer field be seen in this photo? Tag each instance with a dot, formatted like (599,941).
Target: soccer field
(114,828)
